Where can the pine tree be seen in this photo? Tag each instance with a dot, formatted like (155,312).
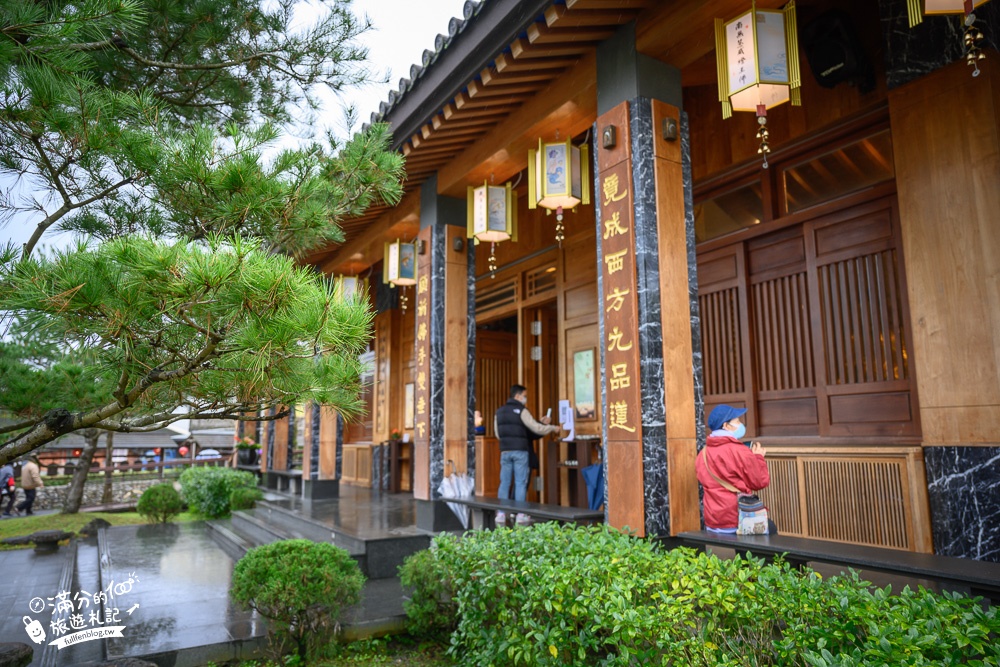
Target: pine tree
(148,126)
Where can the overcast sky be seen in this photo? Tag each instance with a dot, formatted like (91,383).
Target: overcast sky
(403,29)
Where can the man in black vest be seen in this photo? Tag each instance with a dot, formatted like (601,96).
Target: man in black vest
(516,428)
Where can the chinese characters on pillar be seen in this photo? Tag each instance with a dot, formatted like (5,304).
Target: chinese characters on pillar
(383,333)
(621,347)
(422,393)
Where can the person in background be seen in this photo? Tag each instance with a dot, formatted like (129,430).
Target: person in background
(8,490)
(515,428)
(31,481)
(727,457)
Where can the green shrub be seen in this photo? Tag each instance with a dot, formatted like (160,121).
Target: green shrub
(557,595)
(244,498)
(160,503)
(208,490)
(431,610)
(300,587)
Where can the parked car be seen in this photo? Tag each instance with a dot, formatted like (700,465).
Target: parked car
(208,454)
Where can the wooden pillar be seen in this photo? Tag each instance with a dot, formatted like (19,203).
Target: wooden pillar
(388,375)
(620,339)
(328,437)
(647,293)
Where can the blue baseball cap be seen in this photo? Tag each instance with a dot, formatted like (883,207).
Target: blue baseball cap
(722,414)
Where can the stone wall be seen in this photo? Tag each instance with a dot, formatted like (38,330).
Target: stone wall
(122,491)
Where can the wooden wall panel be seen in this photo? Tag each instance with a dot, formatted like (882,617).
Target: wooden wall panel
(487,466)
(946,144)
(496,372)
(855,495)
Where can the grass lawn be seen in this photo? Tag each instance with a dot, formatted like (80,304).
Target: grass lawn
(25,525)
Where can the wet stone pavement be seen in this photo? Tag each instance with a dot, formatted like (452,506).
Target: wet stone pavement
(179,591)
(163,590)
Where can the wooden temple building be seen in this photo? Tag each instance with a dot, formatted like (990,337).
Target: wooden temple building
(848,295)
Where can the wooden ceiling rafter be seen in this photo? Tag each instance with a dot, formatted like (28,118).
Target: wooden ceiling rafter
(507,63)
(564,17)
(542,34)
(524,83)
(596,5)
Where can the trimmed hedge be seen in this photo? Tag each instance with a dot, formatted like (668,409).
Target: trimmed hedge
(558,595)
(208,491)
(160,503)
(300,587)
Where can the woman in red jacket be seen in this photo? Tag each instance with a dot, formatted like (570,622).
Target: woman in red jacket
(729,459)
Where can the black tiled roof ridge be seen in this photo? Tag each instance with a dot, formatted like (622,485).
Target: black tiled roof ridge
(455,27)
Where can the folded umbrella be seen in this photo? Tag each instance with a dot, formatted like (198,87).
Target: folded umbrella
(593,475)
(458,485)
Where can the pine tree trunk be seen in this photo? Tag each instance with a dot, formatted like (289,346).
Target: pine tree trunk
(75,495)
(107,498)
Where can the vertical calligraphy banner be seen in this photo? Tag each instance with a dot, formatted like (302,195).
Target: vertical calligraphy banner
(422,370)
(620,331)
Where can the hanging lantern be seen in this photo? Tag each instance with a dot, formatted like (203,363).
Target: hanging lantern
(972,38)
(399,269)
(348,287)
(492,217)
(757,55)
(558,179)
(400,265)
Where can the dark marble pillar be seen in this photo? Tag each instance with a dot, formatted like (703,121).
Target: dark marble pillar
(963,485)
(470,452)
(437,344)
(340,446)
(441,216)
(654,459)
(937,41)
(270,440)
(292,436)
(313,440)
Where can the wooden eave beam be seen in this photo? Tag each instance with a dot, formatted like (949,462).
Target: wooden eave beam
(522,48)
(506,63)
(451,117)
(541,35)
(562,16)
(465,101)
(477,90)
(637,5)
(568,107)
(534,75)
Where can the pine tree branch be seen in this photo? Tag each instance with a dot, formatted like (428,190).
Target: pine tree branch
(9,428)
(55,175)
